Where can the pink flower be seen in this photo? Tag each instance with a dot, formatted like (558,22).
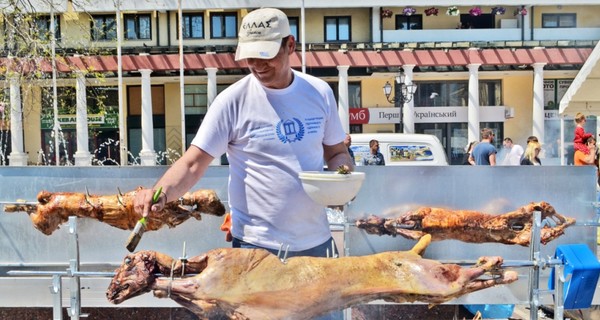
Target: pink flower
(431,11)
(475,11)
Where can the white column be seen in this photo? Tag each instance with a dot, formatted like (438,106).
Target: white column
(16,157)
(82,155)
(147,154)
(538,101)
(376,24)
(211,94)
(343,104)
(408,109)
(473,111)
(211,86)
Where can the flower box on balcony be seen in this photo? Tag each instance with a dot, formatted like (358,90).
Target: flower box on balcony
(433,11)
(409,11)
(475,11)
(498,10)
(452,11)
(386,13)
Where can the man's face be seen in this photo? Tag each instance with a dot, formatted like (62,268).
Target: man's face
(274,73)
(507,144)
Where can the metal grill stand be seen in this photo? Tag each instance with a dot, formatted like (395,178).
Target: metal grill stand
(73,272)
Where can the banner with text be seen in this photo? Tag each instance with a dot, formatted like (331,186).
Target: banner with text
(425,115)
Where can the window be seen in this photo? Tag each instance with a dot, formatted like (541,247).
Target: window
(483,21)
(337,29)
(414,22)
(193,25)
(294,27)
(559,20)
(42,24)
(223,25)
(456,94)
(196,105)
(103,27)
(137,26)
(354,93)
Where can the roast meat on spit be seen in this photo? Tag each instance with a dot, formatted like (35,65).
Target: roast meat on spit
(55,208)
(471,226)
(255,284)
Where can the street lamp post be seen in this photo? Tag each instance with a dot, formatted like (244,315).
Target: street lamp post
(404,93)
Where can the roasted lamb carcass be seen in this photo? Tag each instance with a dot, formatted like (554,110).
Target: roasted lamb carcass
(55,208)
(254,284)
(471,226)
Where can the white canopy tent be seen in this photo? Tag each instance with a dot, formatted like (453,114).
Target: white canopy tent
(583,95)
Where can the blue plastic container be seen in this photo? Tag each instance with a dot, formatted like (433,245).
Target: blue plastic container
(492,311)
(583,266)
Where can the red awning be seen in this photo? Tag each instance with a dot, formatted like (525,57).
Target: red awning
(319,59)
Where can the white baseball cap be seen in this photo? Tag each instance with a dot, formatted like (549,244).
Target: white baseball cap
(261,33)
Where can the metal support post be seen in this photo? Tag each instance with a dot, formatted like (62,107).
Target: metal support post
(559,280)
(56,290)
(346,236)
(534,272)
(75,288)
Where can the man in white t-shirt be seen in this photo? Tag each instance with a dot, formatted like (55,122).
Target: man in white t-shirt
(514,153)
(273,123)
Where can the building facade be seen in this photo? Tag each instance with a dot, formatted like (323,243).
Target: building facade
(117,92)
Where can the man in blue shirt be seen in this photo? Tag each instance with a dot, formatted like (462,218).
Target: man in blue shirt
(484,153)
(374,158)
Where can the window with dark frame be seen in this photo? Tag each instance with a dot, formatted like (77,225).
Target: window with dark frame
(338,29)
(223,25)
(103,27)
(137,26)
(42,23)
(193,25)
(414,22)
(295,27)
(456,93)
(559,20)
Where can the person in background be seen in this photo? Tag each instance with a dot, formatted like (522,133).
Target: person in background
(532,139)
(468,151)
(258,121)
(514,152)
(374,158)
(348,143)
(583,159)
(580,134)
(531,155)
(484,153)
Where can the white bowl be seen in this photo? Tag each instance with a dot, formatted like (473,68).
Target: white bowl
(330,188)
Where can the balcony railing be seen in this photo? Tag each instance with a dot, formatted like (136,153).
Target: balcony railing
(490,35)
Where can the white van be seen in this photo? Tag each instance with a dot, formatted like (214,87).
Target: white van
(401,149)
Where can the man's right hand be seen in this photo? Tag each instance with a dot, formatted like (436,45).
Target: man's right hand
(143,202)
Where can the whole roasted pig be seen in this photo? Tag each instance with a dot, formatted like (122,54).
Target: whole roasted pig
(471,226)
(55,208)
(255,284)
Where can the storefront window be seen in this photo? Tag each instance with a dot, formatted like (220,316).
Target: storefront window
(456,94)
(554,90)
(103,125)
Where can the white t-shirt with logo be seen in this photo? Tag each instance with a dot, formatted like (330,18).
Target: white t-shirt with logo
(270,135)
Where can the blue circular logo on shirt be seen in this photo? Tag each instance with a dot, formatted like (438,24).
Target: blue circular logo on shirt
(290,130)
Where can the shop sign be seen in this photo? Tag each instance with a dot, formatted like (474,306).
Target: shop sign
(69,121)
(374,115)
(425,115)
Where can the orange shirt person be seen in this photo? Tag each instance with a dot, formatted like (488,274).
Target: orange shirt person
(583,159)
